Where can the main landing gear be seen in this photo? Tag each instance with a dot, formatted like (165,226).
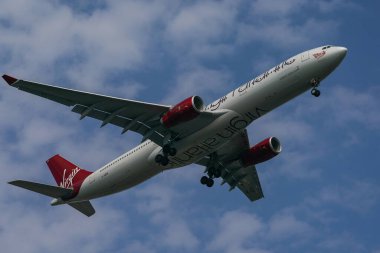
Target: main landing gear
(314,91)
(209,180)
(167,151)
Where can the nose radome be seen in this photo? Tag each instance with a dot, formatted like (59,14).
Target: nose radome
(341,52)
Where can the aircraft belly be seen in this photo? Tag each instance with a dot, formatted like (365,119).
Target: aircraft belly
(207,140)
(128,173)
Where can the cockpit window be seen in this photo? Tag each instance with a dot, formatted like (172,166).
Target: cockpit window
(325,47)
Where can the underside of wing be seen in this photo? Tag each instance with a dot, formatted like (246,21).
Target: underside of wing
(132,115)
(129,115)
(246,179)
(226,162)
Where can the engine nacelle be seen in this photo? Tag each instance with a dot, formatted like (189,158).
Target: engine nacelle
(184,111)
(261,152)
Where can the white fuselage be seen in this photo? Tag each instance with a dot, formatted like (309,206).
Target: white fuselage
(242,106)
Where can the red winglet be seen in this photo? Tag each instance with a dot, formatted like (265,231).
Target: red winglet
(9,79)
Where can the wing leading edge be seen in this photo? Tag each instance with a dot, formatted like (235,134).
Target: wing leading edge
(130,115)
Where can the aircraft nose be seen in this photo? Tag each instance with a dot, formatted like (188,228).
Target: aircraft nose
(337,56)
(341,53)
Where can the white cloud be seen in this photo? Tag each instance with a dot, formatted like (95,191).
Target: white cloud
(200,81)
(60,229)
(360,197)
(202,28)
(160,202)
(344,242)
(236,229)
(284,226)
(276,8)
(178,235)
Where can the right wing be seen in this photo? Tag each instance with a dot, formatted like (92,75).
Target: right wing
(232,172)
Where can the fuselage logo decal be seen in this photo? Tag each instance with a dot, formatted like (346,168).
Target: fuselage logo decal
(319,55)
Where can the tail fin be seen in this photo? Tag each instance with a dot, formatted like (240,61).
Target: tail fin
(66,174)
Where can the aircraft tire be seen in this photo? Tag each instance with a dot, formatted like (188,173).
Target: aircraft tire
(158,158)
(204,180)
(164,161)
(210,182)
(315,92)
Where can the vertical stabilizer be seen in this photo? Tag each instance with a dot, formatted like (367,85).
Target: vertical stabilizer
(67,174)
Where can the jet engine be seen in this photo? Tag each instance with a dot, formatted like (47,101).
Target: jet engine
(261,152)
(182,112)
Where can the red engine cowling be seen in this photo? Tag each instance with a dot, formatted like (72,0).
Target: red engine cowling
(184,111)
(261,152)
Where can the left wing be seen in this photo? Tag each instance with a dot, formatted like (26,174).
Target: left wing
(130,115)
(227,160)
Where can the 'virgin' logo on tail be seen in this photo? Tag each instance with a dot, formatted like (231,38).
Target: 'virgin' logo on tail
(68,182)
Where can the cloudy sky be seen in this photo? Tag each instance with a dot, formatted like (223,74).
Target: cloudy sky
(322,192)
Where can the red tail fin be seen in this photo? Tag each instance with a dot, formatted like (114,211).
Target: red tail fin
(67,174)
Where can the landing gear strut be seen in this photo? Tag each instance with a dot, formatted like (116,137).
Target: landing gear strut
(314,91)
(167,149)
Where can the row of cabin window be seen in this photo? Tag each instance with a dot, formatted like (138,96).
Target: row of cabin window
(126,155)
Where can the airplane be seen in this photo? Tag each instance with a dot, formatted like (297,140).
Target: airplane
(213,135)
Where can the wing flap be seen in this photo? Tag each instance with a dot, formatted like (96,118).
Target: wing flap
(232,172)
(250,184)
(246,179)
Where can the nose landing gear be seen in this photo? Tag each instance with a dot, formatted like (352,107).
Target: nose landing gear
(315,92)
(315,83)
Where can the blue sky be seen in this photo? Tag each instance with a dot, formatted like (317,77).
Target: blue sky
(321,192)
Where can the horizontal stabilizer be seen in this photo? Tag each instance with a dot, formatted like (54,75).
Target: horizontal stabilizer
(48,190)
(84,207)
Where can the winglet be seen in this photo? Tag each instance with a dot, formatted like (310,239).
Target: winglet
(9,79)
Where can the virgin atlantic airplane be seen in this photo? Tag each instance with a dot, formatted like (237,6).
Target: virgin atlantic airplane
(189,132)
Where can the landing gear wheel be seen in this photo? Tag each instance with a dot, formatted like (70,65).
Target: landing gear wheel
(210,182)
(172,151)
(164,161)
(166,149)
(169,150)
(315,92)
(159,158)
(204,180)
